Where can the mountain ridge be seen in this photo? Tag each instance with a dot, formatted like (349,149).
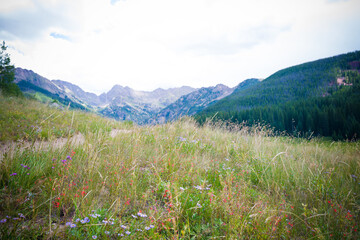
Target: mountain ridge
(121,103)
(320,97)
(194,102)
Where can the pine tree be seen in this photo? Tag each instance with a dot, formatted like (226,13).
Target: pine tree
(7,75)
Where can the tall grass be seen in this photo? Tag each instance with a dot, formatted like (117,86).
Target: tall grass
(179,180)
(25,119)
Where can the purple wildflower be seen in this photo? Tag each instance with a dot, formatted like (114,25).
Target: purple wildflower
(85,220)
(123,226)
(3,220)
(142,215)
(70,224)
(13,174)
(94,237)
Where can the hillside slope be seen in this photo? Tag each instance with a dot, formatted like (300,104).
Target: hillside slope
(168,181)
(303,99)
(298,82)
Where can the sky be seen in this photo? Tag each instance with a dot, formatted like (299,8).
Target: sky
(147,44)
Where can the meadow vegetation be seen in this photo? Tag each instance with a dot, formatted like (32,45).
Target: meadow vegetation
(172,181)
(26,119)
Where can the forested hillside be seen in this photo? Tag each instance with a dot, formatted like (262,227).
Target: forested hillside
(320,98)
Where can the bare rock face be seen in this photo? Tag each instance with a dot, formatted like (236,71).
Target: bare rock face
(191,103)
(35,79)
(89,98)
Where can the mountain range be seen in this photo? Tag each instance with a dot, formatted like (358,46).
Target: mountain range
(120,103)
(320,97)
(199,100)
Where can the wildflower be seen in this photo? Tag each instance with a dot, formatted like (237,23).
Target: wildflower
(127,232)
(139,230)
(133,216)
(13,174)
(68,157)
(3,220)
(85,220)
(94,237)
(198,205)
(182,139)
(142,215)
(123,226)
(147,228)
(120,234)
(70,224)
(21,215)
(77,220)
(182,189)
(151,226)
(107,232)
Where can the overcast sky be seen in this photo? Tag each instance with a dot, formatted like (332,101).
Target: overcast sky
(146,44)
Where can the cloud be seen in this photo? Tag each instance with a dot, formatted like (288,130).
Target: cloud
(160,43)
(32,22)
(334,1)
(113,2)
(234,42)
(60,36)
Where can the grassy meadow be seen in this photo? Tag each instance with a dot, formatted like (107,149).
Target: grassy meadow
(171,181)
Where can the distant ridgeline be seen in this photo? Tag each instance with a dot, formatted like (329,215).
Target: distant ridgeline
(320,98)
